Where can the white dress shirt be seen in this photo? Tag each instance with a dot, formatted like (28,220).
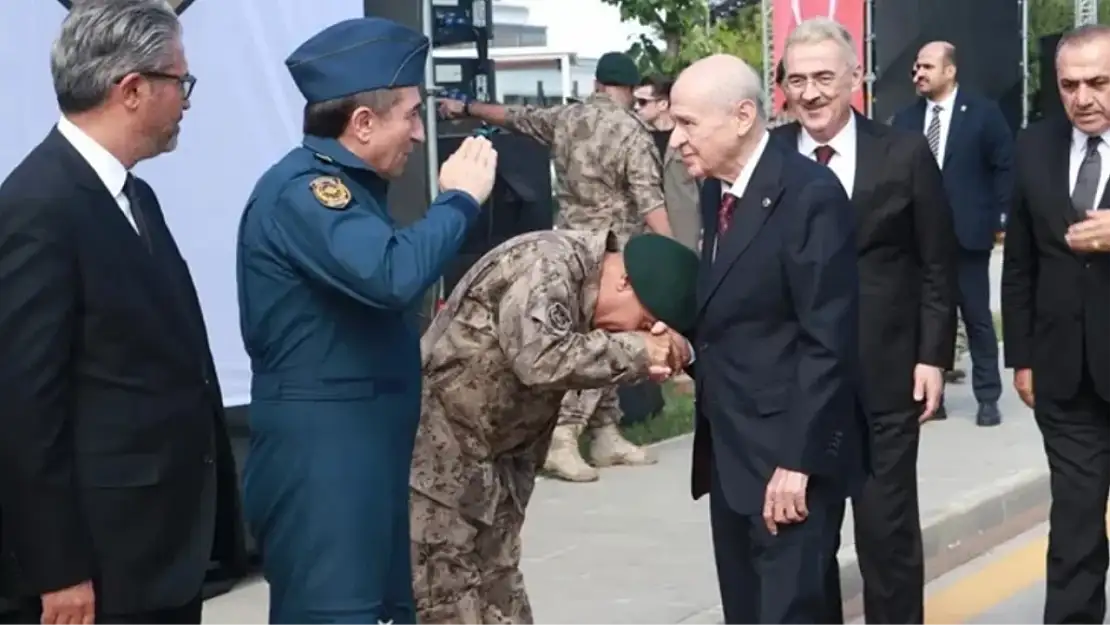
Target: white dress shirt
(741,183)
(843,161)
(1075,158)
(111,172)
(946,106)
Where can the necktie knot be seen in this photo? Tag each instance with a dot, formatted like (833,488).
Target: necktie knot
(937,109)
(824,153)
(1092,145)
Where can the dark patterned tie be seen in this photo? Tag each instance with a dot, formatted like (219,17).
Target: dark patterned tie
(130,189)
(932,135)
(724,214)
(824,153)
(1085,195)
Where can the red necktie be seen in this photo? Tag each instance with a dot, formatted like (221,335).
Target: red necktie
(824,154)
(724,214)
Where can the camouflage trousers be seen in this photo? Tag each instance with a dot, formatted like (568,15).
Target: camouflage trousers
(961,336)
(593,408)
(465,571)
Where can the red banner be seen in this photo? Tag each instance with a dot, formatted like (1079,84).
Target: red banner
(789,13)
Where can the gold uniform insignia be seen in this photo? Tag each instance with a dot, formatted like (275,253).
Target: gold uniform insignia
(331,192)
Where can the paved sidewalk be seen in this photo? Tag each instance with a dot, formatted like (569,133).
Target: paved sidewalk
(633,547)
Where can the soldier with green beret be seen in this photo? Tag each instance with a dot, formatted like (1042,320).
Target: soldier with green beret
(608,176)
(541,314)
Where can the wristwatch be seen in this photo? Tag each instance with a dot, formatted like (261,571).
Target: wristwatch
(466,107)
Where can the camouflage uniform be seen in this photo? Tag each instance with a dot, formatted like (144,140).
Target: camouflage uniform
(513,337)
(608,176)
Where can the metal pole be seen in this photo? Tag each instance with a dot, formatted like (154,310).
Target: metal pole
(431,130)
(869,57)
(1023,6)
(768,63)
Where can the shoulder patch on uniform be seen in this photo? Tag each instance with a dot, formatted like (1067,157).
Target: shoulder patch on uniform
(331,192)
(558,317)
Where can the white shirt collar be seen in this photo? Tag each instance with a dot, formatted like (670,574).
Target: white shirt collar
(1079,139)
(107,167)
(948,103)
(843,143)
(745,176)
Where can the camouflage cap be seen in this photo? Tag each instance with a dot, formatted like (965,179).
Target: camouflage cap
(663,274)
(617,69)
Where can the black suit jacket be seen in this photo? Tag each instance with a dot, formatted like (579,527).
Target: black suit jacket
(907,260)
(1055,303)
(776,336)
(978,166)
(113,428)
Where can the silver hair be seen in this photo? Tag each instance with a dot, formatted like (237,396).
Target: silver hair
(104,40)
(820,30)
(1082,35)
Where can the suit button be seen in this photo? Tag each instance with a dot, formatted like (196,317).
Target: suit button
(209,460)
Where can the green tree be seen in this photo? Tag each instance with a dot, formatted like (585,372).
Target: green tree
(683,28)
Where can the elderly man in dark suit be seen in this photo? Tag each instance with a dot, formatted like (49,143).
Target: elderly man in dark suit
(907,273)
(116,477)
(1056,316)
(781,438)
(973,146)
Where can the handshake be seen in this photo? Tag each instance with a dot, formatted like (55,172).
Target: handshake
(668,352)
(471,169)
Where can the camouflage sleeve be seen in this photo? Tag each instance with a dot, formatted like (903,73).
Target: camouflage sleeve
(534,121)
(538,326)
(644,170)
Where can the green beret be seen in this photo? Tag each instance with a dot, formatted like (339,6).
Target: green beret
(617,69)
(664,276)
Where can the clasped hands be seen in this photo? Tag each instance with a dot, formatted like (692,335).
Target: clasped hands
(668,351)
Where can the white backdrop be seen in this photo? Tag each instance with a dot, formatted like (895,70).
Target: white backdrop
(246,113)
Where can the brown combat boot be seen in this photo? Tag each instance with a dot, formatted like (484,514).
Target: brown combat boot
(563,459)
(608,447)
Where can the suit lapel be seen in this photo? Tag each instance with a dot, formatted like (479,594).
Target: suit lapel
(118,237)
(916,118)
(870,165)
(750,214)
(959,112)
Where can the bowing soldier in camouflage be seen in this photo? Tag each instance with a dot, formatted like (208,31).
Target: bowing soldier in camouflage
(608,176)
(541,314)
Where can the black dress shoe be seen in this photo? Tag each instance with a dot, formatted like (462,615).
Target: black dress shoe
(940,415)
(955,376)
(989,415)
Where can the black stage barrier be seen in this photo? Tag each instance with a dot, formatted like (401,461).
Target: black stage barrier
(987,36)
(1048,98)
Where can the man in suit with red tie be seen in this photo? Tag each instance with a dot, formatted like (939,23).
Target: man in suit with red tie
(907,273)
(1056,316)
(781,438)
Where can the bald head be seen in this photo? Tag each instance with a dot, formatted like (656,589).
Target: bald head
(934,71)
(717,107)
(722,79)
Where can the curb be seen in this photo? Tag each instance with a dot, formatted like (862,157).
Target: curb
(969,527)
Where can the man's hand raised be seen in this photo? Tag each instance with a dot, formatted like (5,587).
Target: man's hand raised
(470,169)
(75,605)
(680,347)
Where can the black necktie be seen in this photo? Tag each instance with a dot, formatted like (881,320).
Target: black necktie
(130,189)
(1085,195)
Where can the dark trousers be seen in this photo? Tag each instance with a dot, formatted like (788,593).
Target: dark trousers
(888,523)
(775,579)
(189,614)
(975,307)
(1076,434)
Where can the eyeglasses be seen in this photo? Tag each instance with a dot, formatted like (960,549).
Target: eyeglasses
(185,81)
(821,80)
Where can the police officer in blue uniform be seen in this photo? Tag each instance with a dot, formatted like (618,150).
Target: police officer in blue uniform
(329,288)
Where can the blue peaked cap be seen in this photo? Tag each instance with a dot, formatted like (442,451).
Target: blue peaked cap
(358,55)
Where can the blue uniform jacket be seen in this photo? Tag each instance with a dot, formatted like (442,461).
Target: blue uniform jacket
(328,292)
